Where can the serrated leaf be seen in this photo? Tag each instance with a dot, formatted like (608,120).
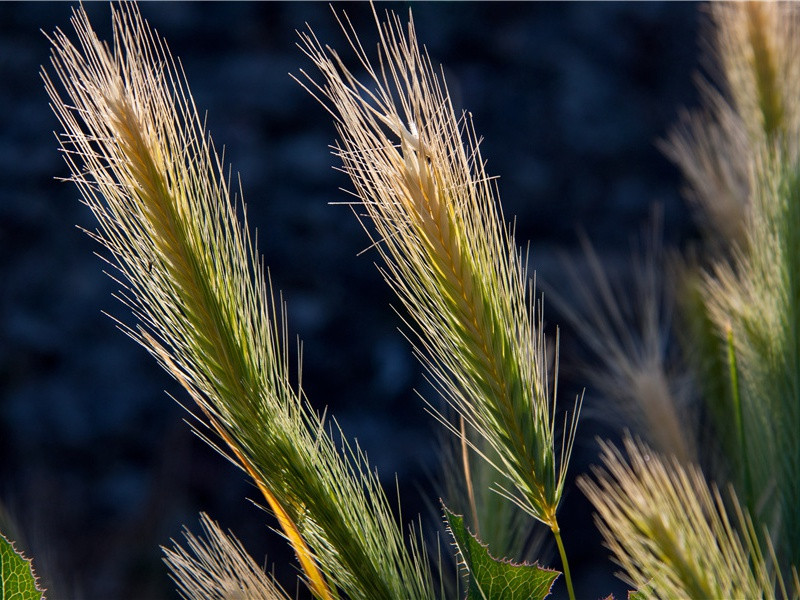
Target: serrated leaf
(17,580)
(492,579)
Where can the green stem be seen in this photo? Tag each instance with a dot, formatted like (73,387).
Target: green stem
(739,417)
(564,563)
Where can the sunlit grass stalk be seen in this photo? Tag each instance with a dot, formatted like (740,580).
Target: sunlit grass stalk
(449,255)
(467,472)
(139,153)
(741,432)
(670,532)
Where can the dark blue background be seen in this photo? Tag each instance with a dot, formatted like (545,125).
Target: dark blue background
(95,461)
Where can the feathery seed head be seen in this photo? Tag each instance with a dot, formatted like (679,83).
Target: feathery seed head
(217,567)
(140,155)
(757,47)
(741,159)
(754,47)
(447,251)
(626,327)
(670,532)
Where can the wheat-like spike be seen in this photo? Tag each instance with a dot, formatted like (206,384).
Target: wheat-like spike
(754,48)
(749,299)
(758,302)
(712,151)
(448,253)
(757,48)
(139,153)
(217,567)
(627,330)
(669,531)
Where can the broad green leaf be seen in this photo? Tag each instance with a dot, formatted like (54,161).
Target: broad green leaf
(492,579)
(637,595)
(17,581)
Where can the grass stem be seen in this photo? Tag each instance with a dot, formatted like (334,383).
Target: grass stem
(739,417)
(564,562)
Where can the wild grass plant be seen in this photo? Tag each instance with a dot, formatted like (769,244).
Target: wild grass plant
(453,262)
(205,310)
(723,414)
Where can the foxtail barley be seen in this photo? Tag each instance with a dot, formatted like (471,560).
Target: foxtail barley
(718,181)
(206,311)
(450,257)
(746,303)
(754,46)
(139,153)
(670,532)
(757,47)
(627,330)
(217,567)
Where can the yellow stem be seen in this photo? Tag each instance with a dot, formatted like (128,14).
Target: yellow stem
(316,581)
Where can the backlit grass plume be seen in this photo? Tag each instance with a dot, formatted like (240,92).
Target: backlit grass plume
(626,328)
(670,532)
(450,257)
(757,302)
(757,47)
(750,101)
(217,567)
(744,305)
(138,151)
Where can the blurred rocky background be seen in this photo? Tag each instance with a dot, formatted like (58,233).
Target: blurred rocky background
(97,466)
